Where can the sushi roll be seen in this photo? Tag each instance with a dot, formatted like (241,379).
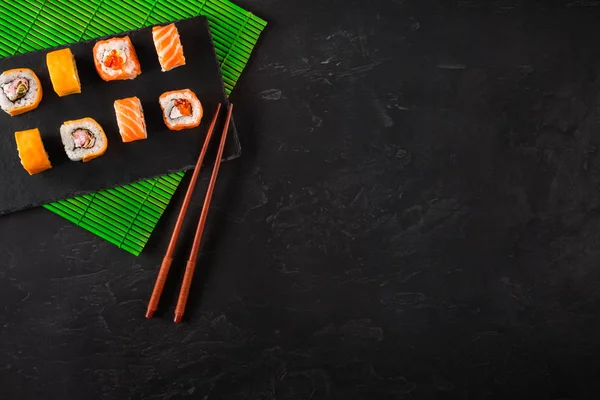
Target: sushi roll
(115,59)
(168,47)
(21,91)
(31,151)
(181,109)
(63,72)
(130,118)
(84,139)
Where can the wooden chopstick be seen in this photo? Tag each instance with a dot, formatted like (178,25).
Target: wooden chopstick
(168,259)
(191,264)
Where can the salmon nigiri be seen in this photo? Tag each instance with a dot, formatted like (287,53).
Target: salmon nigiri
(168,47)
(130,118)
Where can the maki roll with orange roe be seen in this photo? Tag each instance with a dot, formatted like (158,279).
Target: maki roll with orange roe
(116,59)
(181,109)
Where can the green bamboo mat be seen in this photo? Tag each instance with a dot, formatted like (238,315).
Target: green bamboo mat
(124,216)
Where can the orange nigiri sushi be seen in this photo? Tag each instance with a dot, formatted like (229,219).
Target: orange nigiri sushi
(130,118)
(181,109)
(63,72)
(31,151)
(116,59)
(168,47)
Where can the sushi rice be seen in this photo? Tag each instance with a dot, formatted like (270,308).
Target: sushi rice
(93,146)
(27,101)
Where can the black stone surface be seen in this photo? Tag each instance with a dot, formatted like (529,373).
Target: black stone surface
(164,151)
(415,216)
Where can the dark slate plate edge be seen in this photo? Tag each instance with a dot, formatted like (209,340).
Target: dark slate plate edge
(232,134)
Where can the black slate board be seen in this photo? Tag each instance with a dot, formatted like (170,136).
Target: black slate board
(163,152)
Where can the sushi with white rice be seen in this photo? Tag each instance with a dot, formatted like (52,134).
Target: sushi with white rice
(181,109)
(83,139)
(20,91)
(116,59)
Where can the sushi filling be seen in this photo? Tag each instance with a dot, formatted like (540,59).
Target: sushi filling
(114,59)
(83,139)
(16,89)
(181,108)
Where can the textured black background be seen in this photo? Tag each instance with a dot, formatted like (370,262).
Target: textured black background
(123,162)
(415,216)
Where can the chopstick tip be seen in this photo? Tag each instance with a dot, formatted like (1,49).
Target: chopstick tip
(149,313)
(178,318)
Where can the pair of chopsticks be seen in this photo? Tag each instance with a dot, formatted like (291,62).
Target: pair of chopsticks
(191,263)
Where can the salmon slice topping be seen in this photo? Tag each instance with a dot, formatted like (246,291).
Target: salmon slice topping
(168,46)
(131,123)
